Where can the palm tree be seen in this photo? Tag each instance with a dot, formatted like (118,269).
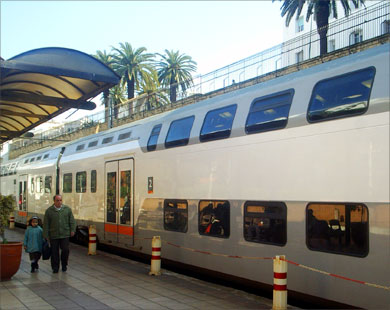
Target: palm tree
(155,96)
(322,9)
(117,95)
(108,61)
(174,70)
(133,65)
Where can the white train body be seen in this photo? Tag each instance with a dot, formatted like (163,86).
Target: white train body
(338,165)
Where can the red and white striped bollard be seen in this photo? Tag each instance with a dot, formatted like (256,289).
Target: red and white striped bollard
(12,221)
(92,240)
(280,283)
(155,265)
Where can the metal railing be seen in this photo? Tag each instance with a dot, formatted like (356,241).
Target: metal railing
(363,25)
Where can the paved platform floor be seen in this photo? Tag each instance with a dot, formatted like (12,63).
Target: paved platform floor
(107,281)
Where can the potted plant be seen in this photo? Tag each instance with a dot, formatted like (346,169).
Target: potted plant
(10,252)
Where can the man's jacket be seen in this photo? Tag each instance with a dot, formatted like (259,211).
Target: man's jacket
(58,224)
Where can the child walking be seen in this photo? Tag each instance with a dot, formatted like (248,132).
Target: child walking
(33,240)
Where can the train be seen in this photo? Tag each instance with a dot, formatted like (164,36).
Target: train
(295,166)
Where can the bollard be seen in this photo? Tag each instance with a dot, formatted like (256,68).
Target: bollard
(155,264)
(92,240)
(12,221)
(280,283)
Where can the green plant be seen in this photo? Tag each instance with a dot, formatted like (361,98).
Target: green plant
(7,205)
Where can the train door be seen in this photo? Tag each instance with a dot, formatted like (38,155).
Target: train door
(21,216)
(119,211)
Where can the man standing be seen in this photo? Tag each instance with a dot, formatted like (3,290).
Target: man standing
(58,226)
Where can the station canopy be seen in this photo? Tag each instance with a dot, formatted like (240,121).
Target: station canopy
(40,84)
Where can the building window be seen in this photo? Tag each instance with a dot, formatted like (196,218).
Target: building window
(341,96)
(299,57)
(265,222)
(67,183)
(299,25)
(152,142)
(93,181)
(356,37)
(81,182)
(385,27)
(218,123)
(176,215)
(331,45)
(48,180)
(337,228)
(269,112)
(214,218)
(179,132)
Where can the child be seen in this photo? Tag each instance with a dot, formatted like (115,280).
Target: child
(33,240)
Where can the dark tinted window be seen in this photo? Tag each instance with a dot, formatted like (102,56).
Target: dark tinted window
(39,157)
(214,218)
(176,215)
(81,182)
(125,135)
(152,142)
(337,228)
(80,147)
(218,123)
(269,112)
(265,222)
(67,183)
(48,180)
(179,132)
(341,96)
(107,140)
(46,156)
(93,143)
(93,181)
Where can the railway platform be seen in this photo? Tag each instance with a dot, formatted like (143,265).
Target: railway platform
(107,281)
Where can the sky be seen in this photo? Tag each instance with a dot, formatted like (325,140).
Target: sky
(214,33)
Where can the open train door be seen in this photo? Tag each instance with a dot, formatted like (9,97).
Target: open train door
(119,202)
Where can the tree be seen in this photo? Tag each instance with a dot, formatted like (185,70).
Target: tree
(107,59)
(155,96)
(322,10)
(133,65)
(174,70)
(117,95)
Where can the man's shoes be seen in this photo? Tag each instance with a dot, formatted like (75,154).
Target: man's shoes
(64,269)
(32,268)
(55,271)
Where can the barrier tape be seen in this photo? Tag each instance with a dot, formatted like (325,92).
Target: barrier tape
(288,261)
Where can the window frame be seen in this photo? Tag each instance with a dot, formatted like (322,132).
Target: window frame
(186,138)
(93,183)
(81,188)
(271,215)
(183,229)
(67,179)
(221,134)
(152,147)
(201,220)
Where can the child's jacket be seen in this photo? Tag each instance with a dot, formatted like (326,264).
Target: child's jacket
(33,239)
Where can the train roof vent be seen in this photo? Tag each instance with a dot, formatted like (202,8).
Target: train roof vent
(125,135)
(80,147)
(107,140)
(93,143)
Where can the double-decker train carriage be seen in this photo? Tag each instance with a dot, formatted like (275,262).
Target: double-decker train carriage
(298,165)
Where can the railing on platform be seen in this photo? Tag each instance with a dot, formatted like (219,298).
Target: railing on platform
(372,22)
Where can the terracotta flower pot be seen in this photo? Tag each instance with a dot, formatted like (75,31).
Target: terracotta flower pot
(10,257)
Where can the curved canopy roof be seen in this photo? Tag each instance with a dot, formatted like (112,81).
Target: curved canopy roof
(40,84)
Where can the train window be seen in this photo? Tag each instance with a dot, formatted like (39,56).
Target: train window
(67,183)
(111,197)
(107,140)
(179,132)
(125,135)
(337,228)
(39,185)
(32,159)
(32,186)
(265,222)
(46,156)
(152,142)
(48,180)
(341,96)
(26,161)
(80,147)
(214,218)
(81,182)
(39,157)
(93,143)
(269,112)
(176,215)
(93,181)
(125,197)
(218,123)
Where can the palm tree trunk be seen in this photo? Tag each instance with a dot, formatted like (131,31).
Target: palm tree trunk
(172,90)
(322,25)
(130,93)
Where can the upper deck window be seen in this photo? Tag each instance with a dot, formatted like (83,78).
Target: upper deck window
(341,96)
(93,143)
(80,147)
(179,132)
(125,135)
(46,156)
(152,142)
(269,112)
(107,140)
(218,123)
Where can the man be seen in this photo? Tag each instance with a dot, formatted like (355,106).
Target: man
(58,226)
